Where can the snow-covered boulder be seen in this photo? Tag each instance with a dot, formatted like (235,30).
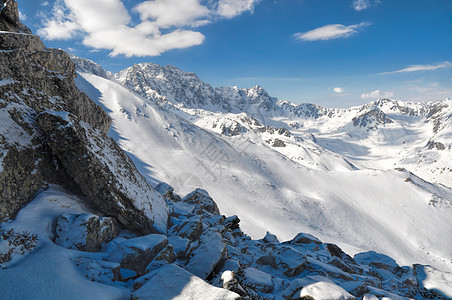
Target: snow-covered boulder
(377,260)
(136,254)
(317,287)
(209,252)
(104,172)
(190,229)
(257,280)
(270,238)
(84,232)
(174,283)
(305,238)
(166,256)
(203,201)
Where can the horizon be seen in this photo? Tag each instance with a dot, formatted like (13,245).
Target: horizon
(329,53)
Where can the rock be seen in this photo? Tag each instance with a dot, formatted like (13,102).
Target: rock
(334,250)
(167,192)
(203,201)
(166,256)
(84,232)
(104,172)
(230,282)
(314,266)
(373,259)
(180,246)
(25,42)
(316,287)
(257,280)
(34,79)
(173,282)
(207,255)
(305,238)
(9,19)
(96,270)
(270,238)
(232,223)
(190,229)
(124,275)
(136,254)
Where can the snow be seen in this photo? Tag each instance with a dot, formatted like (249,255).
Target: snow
(433,279)
(48,271)
(173,282)
(359,210)
(6,81)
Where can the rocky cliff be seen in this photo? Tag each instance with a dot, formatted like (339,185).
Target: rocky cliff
(34,80)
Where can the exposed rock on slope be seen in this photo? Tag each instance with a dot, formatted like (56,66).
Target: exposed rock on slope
(104,172)
(34,80)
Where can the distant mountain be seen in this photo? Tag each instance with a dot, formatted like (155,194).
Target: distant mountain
(356,177)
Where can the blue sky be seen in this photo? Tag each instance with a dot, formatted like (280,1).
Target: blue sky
(335,53)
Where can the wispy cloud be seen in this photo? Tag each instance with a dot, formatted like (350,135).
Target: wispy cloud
(338,90)
(415,68)
(364,4)
(330,32)
(377,94)
(164,24)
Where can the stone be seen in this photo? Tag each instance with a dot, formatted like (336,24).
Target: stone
(25,42)
(9,19)
(207,255)
(104,172)
(203,201)
(173,282)
(136,254)
(305,238)
(378,260)
(257,280)
(84,232)
(166,256)
(190,229)
(315,287)
(270,238)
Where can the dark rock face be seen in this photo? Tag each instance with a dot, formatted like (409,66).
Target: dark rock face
(9,18)
(104,172)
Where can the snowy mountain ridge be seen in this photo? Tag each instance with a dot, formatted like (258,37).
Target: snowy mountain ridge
(371,134)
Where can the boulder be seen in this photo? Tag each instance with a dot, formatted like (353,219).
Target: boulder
(84,232)
(203,201)
(315,287)
(167,191)
(257,280)
(166,256)
(190,229)
(136,254)
(305,238)
(270,238)
(230,282)
(175,283)
(377,260)
(104,172)
(210,251)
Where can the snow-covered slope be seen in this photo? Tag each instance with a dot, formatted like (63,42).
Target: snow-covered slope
(389,211)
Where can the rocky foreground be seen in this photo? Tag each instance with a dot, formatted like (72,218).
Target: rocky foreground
(111,228)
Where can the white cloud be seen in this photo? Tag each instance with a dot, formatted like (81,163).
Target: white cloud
(415,68)
(168,13)
(339,90)
(377,94)
(22,17)
(108,24)
(363,4)
(232,8)
(329,32)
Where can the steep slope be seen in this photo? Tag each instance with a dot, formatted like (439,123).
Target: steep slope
(358,209)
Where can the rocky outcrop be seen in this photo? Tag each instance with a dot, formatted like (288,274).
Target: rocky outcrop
(104,172)
(84,232)
(9,18)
